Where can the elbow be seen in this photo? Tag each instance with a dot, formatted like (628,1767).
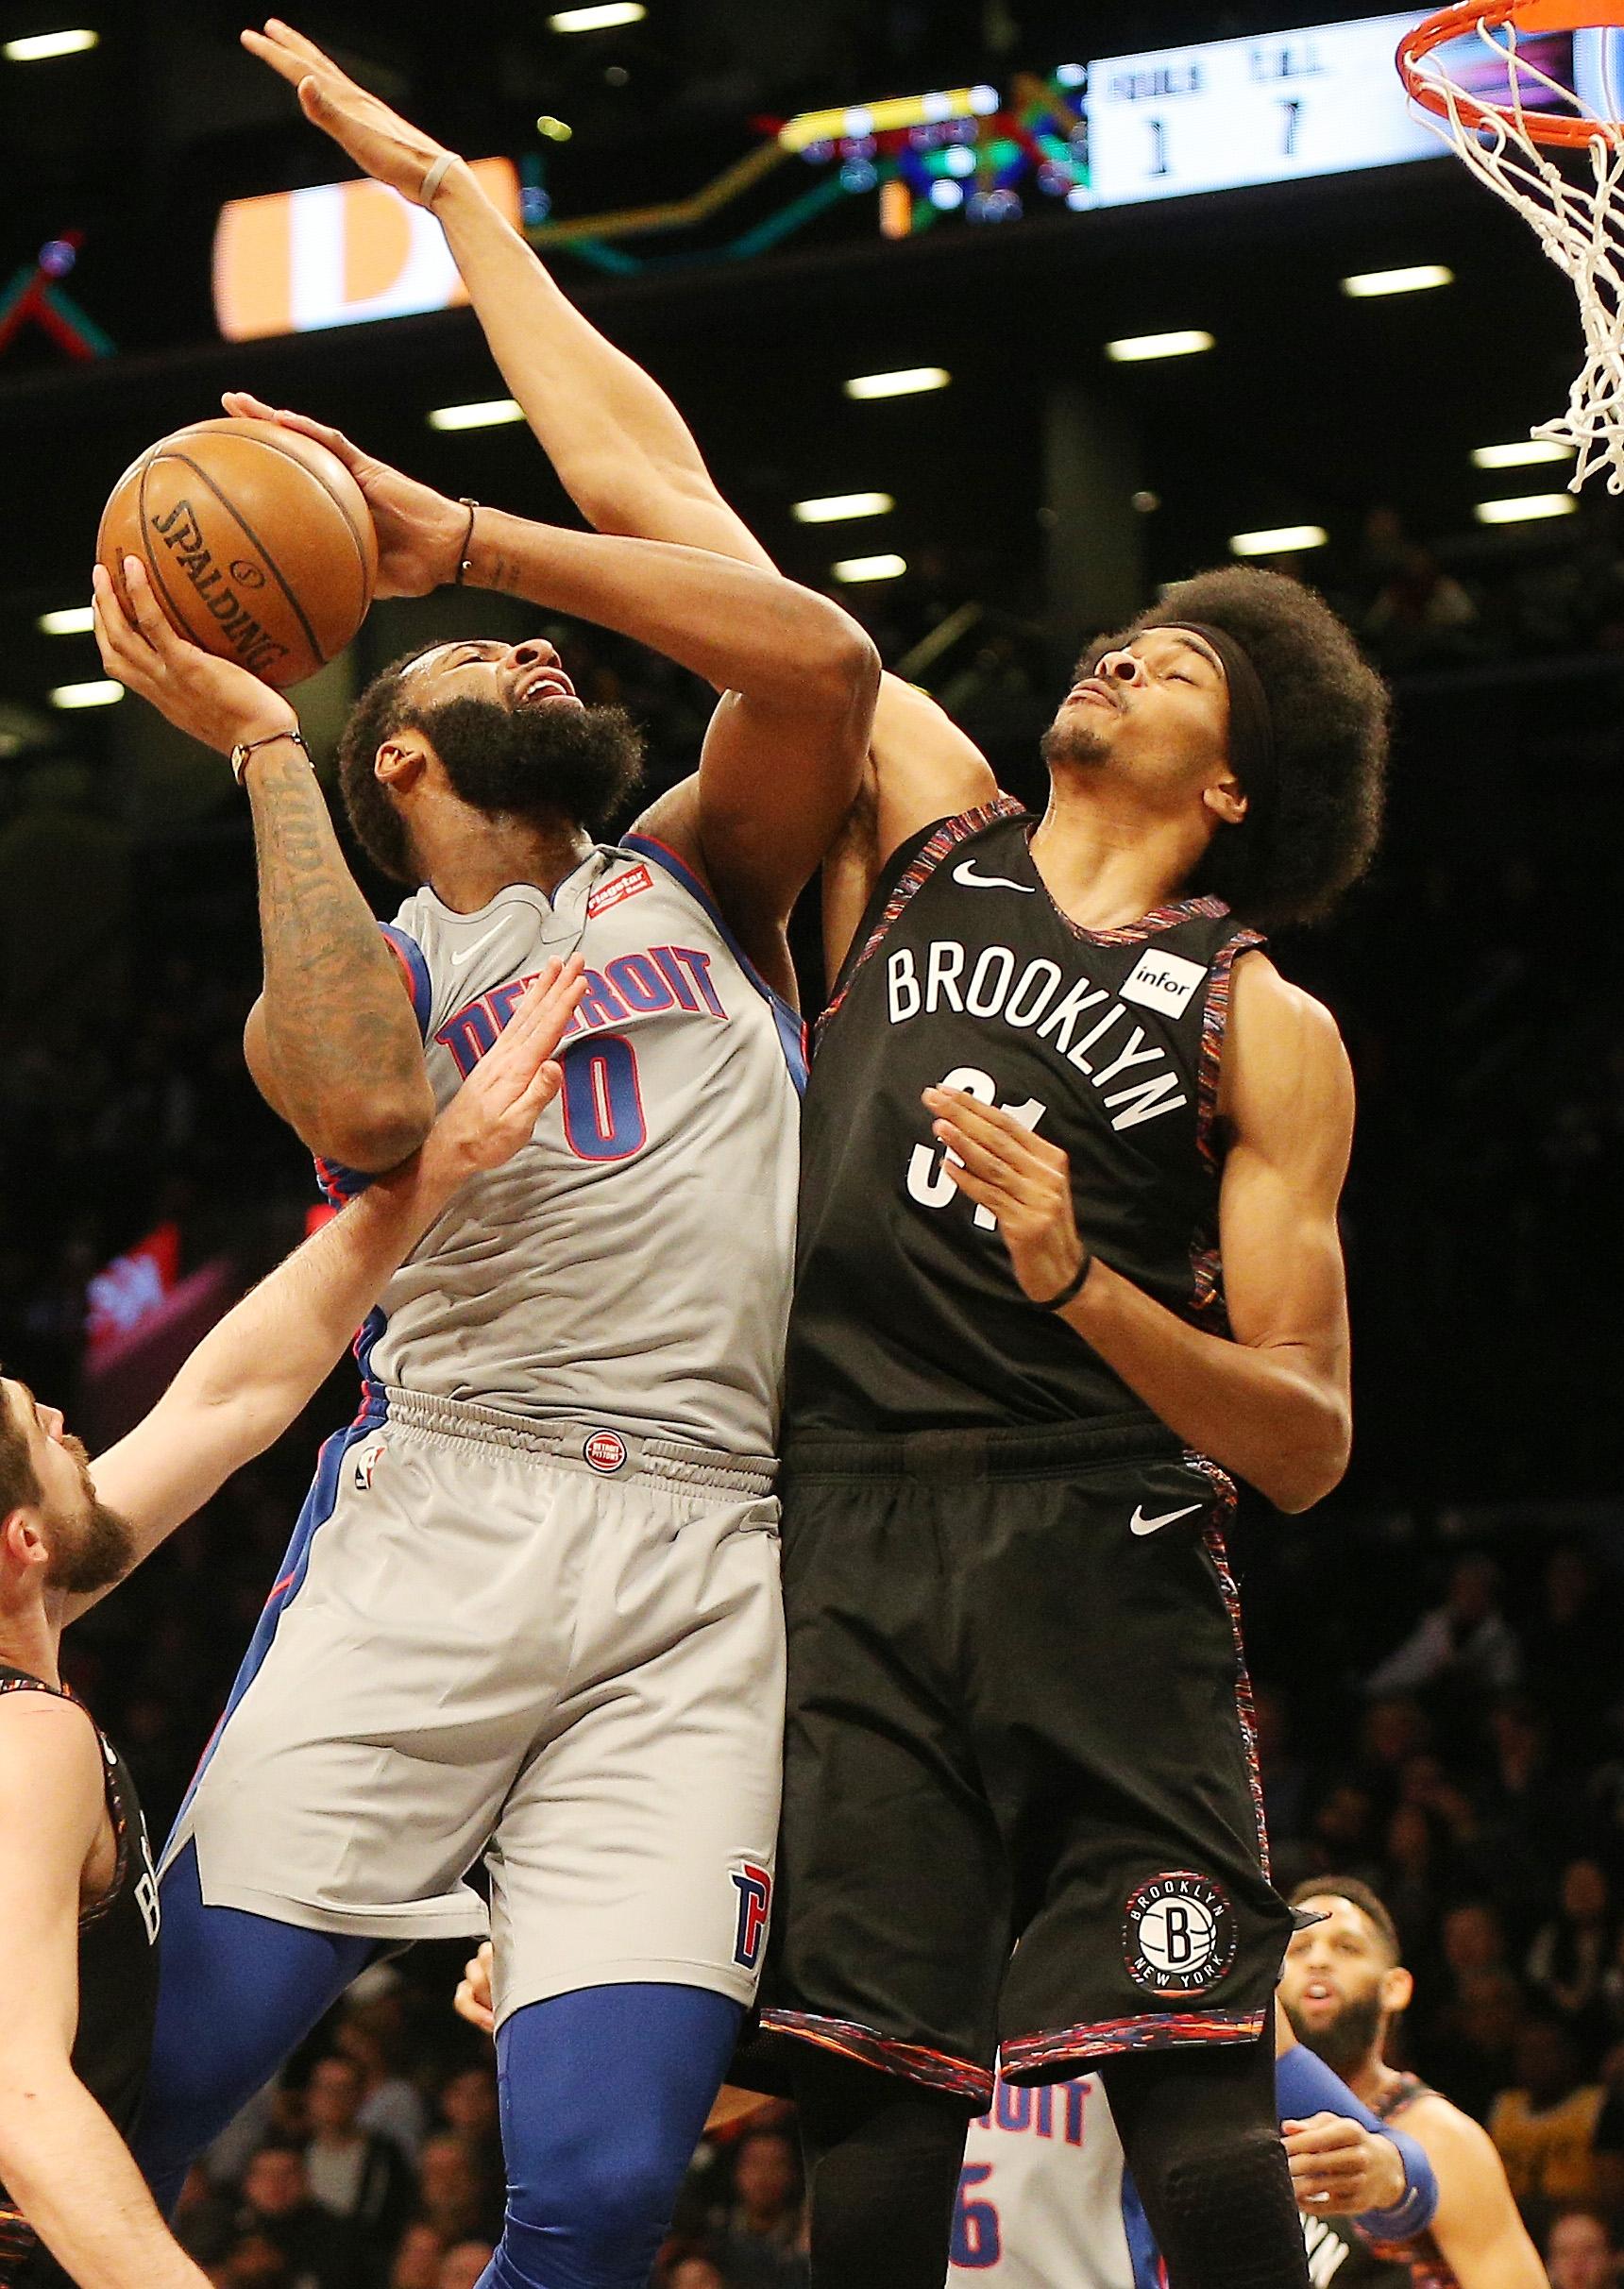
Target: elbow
(1314,1462)
(1313,1456)
(834,649)
(374,1134)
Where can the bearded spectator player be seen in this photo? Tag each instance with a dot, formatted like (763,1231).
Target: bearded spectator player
(1343,1988)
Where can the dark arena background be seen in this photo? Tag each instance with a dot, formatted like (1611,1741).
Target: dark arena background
(722,187)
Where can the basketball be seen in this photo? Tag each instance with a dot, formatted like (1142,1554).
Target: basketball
(258,542)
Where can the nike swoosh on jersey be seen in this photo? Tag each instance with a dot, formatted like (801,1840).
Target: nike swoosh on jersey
(965,871)
(468,952)
(1138,1523)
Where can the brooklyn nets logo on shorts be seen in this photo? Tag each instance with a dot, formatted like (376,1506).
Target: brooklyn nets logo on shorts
(1179,1934)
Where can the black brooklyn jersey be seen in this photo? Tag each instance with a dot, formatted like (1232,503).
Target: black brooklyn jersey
(1107,1043)
(118,1993)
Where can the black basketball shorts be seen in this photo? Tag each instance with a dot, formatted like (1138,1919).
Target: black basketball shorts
(1022,1817)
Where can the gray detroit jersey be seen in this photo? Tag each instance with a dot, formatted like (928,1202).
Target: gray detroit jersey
(633,1263)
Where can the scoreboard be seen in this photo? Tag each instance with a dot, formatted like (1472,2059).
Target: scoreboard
(1271,109)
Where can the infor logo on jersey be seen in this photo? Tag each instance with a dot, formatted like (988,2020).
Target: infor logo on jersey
(1162,981)
(754,1887)
(1179,1934)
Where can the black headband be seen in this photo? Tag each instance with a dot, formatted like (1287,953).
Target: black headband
(1251,724)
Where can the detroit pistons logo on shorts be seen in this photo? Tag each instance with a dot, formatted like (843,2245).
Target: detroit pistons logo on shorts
(605,1452)
(754,1887)
(1179,1934)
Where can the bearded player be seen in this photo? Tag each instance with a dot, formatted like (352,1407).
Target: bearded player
(1068,1259)
(531,1609)
(78,1980)
(1046,2202)
(1343,1988)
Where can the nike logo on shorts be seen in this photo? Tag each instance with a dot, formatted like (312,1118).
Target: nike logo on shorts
(965,871)
(1138,1523)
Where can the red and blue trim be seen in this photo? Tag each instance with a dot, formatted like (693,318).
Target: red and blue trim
(1054,2046)
(1142,2254)
(937,2069)
(319,1506)
(942,839)
(791,1031)
(415,969)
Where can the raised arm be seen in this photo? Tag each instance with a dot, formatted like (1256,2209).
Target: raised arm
(61,2160)
(333,1044)
(621,448)
(1272,1404)
(253,1374)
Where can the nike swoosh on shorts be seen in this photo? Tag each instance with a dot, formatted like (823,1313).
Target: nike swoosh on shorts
(1138,1523)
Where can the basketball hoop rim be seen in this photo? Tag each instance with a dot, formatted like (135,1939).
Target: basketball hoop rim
(1454,23)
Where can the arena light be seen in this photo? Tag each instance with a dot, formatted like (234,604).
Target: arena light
(101,693)
(1522,454)
(852,569)
(1525,508)
(1279,540)
(905,382)
(1133,349)
(488,413)
(1417,278)
(37,46)
(601,19)
(833,508)
(72,619)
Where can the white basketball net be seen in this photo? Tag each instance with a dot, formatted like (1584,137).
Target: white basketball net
(1580,227)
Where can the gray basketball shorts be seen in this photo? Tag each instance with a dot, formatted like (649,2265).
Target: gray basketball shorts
(559,1645)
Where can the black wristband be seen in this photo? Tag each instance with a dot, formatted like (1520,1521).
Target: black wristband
(464,562)
(1073,1286)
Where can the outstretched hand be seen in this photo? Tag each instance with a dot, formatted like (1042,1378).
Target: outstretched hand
(419,530)
(381,143)
(495,1111)
(1340,2167)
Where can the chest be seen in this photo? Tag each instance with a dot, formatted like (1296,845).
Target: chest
(662,986)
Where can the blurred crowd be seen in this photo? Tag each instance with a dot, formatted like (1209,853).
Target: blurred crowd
(1440,1706)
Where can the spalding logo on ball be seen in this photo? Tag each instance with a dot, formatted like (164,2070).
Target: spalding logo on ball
(257,540)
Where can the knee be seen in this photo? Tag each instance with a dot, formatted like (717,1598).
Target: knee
(1227,2165)
(592,2219)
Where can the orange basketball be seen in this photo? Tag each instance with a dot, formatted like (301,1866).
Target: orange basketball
(258,542)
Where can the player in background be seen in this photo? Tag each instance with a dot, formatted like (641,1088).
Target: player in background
(1343,1988)
(78,1977)
(969,1377)
(1045,2201)
(573,1659)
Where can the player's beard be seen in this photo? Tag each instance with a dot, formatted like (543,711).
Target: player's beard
(1347,2042)
(539,762)
(1076,744)
(91,1548)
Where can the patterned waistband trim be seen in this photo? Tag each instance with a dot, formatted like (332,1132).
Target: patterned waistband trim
(939,2070)
(1106,2038)
(600,1449)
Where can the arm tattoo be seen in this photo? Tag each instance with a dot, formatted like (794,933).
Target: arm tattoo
(339,1026)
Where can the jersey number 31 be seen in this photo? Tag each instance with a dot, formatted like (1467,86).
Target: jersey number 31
(928,1181)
